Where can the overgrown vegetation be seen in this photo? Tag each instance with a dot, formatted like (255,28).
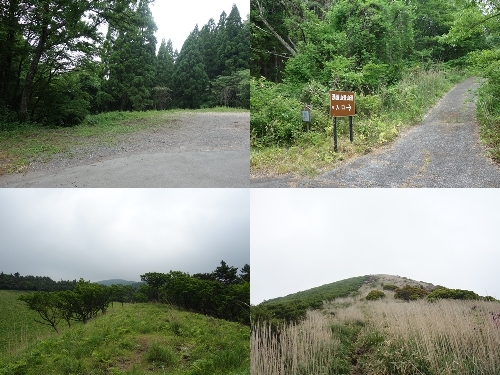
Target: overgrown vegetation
(356,335)
(399,58)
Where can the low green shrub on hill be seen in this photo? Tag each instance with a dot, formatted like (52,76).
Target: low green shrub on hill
(374,295)
(409,292)
(445,293)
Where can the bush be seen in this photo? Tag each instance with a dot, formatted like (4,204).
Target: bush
(275,119)
(375,294)
(409,292)
(445,293)
(391,287)
(368,105)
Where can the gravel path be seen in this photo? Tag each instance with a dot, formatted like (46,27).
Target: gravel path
(444,151)
(190,150)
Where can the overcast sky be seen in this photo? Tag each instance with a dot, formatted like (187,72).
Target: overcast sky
(101,234)
(175,20)
(303,238)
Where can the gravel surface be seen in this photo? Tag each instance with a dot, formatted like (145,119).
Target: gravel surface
(184,152)
(444,151)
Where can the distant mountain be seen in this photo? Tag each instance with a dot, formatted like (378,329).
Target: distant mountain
(116,281)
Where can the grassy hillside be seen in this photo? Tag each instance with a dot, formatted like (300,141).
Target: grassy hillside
(354,336)
(134,339)
(17,325)
(324,292)
(293,307)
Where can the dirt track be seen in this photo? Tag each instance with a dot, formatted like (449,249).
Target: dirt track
(444,151)
(194,150)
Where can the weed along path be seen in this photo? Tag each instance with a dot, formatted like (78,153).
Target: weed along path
(444,151)
(194,149)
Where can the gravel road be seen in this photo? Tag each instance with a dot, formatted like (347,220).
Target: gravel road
(444,151)
(192,150)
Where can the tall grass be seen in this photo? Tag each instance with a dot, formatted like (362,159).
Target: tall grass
(355,336)
(304,348)
(447,337)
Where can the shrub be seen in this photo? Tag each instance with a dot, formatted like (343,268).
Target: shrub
(445,293)
(275,118)
(375,294)
(391,287)
(409,292)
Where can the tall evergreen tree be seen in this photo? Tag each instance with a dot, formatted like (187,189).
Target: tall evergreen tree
(190,79)
(164,65)
(130,62)
(234,51)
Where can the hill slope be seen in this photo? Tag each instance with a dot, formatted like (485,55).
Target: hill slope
(117,281)
(136,339)
(355,335)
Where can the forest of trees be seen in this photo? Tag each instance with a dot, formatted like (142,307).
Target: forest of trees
(223,293)
(36,283)
(300,49)
(56,66)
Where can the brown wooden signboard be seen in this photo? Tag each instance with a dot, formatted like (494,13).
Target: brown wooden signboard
(342,103)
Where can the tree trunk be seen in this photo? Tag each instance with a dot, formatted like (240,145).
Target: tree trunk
(30,76)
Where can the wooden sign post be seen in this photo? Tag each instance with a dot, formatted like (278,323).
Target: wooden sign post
(341,105)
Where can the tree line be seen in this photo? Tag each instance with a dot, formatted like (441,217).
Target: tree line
(37,283)
(223,293)
(56,66)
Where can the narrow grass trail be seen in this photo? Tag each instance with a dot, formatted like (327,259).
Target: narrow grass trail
(444,151)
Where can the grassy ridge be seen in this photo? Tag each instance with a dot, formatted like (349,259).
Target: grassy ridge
(293,308)
(138,339)
(324,292)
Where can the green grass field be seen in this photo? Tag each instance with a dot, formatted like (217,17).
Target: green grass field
(17,325)
(21,144)
(133,339)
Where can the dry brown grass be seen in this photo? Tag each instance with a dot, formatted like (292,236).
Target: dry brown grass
(445,337)
(305,348)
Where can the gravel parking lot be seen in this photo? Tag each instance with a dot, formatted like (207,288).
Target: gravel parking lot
(192,150)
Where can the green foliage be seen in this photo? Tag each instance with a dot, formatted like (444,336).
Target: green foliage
(274,118)
(409,292)
(292,308)
(374,295)
(233,90)
(222,294)
(445,293)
